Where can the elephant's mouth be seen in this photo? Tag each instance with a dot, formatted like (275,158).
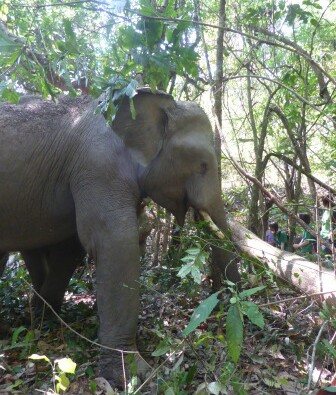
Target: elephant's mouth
(181,209)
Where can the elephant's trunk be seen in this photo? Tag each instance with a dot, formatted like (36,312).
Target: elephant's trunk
(223,258)
(213,227)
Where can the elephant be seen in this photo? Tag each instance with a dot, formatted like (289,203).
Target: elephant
(71,184)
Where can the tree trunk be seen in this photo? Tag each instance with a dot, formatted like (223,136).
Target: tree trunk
(295,269)
(218,86)
(166,233)
(157,238)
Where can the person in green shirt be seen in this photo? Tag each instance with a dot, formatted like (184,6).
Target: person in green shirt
(326,232)
(280,236)
(307,241)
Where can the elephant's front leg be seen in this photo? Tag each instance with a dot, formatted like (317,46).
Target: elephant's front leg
(118,300)
(110,234)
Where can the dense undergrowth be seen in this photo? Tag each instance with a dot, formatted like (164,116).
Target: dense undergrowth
(270,352)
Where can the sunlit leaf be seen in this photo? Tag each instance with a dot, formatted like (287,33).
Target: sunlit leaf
(216,388)
(66,365)
(37,357)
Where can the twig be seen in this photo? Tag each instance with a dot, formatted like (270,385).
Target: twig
(311,368)
(153,373)
(124,372)
(73,330)
(296,298)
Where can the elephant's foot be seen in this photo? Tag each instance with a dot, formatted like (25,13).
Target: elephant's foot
(118,368)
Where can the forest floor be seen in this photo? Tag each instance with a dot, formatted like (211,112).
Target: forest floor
(273,360)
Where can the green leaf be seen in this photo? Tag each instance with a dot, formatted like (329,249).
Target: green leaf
(66,365)
(196,274)
(238,386)
(251,310)
(69,32)
(184,270)
(62,382)
(234,332)
(71,41)
(7,46)
(161,349)
(193,251)
(16,334)
(331,389)
(272,382)
(201,313)
(330,348)
(313,22)
(10,95)
(249,292)
(282,4)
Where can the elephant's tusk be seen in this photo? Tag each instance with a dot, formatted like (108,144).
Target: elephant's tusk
(213,227)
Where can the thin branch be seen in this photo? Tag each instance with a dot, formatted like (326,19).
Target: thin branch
(73,330)
(306,173)
(311,368)
(233,77)
(288,46)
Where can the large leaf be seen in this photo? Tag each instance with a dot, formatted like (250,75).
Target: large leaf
(253,313)
(249,292)
(234,332)
(66,365)
(201,313)
(7,45)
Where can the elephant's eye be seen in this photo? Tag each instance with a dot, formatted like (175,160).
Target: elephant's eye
(204,168)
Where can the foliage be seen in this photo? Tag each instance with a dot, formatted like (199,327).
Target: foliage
(234,319)
(197,363)
(195,259)
(49,47)
(60,369)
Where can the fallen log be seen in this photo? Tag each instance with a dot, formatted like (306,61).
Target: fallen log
(300,272)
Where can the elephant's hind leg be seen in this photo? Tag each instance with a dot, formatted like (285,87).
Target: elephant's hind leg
(36,265)
(61,261)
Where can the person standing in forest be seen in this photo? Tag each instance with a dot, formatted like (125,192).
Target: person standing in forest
(280,236)
(328,227)
(270,237)
(307,241)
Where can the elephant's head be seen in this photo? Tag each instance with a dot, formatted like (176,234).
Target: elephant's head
(173,144)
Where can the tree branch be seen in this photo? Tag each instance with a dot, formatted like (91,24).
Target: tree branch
(306,173)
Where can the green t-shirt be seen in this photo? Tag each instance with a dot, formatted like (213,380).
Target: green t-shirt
(281,237)
(325,225)
(307,236)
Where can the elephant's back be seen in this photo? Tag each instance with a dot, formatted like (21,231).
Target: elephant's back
(36,205)
(35,115)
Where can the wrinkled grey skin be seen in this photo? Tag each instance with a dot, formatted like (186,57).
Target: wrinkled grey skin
(67,176)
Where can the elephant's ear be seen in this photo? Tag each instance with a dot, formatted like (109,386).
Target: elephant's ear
(144,135)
